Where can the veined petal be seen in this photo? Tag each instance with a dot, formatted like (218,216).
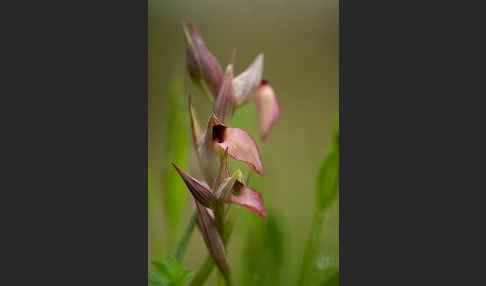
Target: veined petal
(268,108)
(240,145)
(225,103)
(248,81)
(199,191)
(248,198)
(210,68)
(212,238)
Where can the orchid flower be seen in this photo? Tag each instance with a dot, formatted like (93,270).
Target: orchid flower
(217,138)
(249,85)
(232,190)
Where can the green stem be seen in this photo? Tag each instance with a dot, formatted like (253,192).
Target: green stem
(182,245)
(308,263)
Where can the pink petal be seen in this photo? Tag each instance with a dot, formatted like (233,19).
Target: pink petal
(249,199)
(268,108)
(225,103)
(248,81)
(240,145)
(199,191)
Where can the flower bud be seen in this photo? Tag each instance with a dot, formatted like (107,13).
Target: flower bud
(200,62)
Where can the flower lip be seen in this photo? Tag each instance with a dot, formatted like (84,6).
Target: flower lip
(218,133)
(264,81)
(237,187)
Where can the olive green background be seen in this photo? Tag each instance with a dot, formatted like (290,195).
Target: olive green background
(300,42)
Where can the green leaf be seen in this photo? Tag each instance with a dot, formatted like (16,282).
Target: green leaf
(263,255)
(157,280)
(328,177)
(332,279)
(176,150)
(169,273)
(327,181)
(326,194)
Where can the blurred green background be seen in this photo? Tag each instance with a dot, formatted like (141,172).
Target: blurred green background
(300,42)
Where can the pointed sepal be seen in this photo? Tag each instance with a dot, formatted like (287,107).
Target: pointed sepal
(212,238)
(224,106)
(199,190)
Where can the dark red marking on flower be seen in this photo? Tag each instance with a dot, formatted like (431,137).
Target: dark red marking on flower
(237,187)
(264,81)
(218,133)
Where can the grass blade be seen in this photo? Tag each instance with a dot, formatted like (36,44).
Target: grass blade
(176,150)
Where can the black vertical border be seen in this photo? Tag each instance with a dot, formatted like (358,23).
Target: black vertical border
(78,71)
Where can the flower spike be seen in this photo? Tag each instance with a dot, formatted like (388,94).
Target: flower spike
(199,191)
(268,108)
(200,61)
(248,81)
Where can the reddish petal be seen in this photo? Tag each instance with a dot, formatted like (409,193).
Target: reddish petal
(249,199)
(241,147)
(248,81)
(199,191)
(268,108)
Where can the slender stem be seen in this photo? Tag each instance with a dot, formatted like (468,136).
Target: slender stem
(308,263)
(203,272)
(182,244)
